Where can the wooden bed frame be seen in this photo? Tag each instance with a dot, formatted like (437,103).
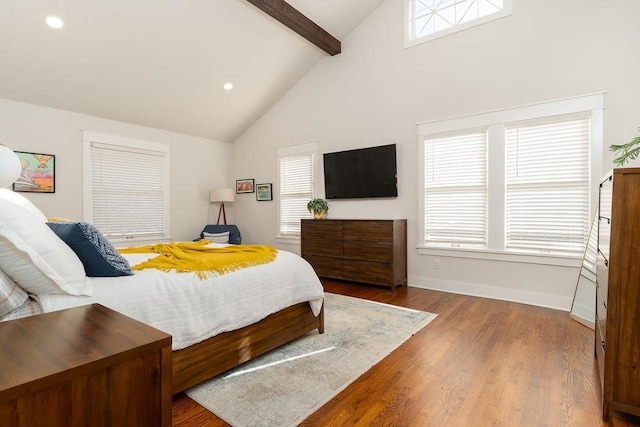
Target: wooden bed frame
(206,359)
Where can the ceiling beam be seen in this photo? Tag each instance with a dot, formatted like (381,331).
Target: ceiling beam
(292,18)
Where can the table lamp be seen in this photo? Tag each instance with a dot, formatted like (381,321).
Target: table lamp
(221,195)
(10,166)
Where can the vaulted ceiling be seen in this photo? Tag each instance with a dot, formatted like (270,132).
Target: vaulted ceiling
(163,63)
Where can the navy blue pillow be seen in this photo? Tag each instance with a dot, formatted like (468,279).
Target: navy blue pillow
(99,257)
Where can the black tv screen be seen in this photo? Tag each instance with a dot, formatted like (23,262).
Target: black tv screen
(361,173)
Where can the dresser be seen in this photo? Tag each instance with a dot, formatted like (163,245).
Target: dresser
(617,336)
(367,251)
(84,366)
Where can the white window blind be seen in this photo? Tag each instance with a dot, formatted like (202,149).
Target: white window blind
(296,189)
(547,186)
(129,194)
(456,190)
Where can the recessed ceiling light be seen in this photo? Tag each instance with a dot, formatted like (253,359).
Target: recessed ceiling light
(54,22)
(228,86)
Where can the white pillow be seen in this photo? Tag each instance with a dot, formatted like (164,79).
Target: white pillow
(22,201)
(35,258)
(217,237)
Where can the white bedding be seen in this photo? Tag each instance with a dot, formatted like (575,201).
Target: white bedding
(191,309)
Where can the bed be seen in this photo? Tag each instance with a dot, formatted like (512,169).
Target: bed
(216,322)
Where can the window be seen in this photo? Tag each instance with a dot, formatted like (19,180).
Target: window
(296,166)
(126,187)
(547,186)
(517,182)
(455,180)
(429,19)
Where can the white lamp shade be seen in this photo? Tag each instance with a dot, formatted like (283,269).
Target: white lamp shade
(10,166)
(221,195)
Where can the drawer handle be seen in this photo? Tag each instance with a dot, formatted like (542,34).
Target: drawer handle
(385,243)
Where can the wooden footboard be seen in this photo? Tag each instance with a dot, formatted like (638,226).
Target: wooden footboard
(215,355)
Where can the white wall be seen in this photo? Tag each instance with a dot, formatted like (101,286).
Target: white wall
(375,92)
(197,164)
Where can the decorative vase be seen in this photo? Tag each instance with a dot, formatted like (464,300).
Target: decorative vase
(319,214)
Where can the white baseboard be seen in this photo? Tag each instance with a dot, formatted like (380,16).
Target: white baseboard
(514,295)
(584,315)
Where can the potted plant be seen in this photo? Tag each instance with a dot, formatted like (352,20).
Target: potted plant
(630,151)
(318,207)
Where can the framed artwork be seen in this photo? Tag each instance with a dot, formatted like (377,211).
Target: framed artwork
(264,192)
(244,186)
(38,173)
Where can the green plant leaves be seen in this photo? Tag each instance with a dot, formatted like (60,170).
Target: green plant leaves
(630,151)
(318,205)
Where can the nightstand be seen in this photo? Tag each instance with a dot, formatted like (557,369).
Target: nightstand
(84,366)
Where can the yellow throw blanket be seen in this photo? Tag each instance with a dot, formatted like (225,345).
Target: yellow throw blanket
(203,261)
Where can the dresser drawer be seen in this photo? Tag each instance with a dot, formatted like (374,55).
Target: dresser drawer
(602,274)
(601,315)
(600,351)
(321,229)
(604,236)
(325,247)
(368,271)
(373,231)
(325,266)
(375,251)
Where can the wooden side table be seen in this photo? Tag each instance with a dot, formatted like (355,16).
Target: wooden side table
(84,366)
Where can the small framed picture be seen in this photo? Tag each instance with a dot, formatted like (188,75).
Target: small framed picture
(38,173)
(264,192)
(244,186)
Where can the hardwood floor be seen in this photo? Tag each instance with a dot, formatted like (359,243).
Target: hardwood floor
(480,362)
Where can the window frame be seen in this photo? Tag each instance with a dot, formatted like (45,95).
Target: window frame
(507,10)
(133,144)
(309,148)
(496,122)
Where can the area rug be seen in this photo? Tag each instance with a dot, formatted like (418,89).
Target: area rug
(286,385)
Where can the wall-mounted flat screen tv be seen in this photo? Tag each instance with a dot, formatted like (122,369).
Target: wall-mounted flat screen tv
(361,173)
